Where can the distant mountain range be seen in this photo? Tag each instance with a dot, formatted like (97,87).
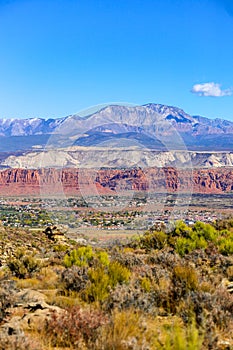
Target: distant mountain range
(28,127)
(153,126)
(102,137)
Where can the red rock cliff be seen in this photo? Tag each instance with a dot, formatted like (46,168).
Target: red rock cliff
(72,181)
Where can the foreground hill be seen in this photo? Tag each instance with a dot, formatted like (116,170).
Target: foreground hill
(160,290)
(72,181)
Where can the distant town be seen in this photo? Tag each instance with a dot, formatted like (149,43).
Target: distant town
(140,212)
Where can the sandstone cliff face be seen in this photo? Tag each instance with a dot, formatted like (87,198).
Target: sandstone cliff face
(73,181)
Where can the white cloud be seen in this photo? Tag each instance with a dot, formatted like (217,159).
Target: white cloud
(210,89)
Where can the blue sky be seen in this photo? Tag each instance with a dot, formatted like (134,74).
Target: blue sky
(60,56)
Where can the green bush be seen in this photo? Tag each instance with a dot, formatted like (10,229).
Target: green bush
(101,280)
(181,229)
(204,230)
(103,258)
(184,245)
(186,239)
(225,246)
(98,287)
(84,256)
(60,248)
(117,273)
(79,257)
(153,240)
(181,338)
(146,284)
(201,243)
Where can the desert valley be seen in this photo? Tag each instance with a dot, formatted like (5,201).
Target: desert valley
(116,231)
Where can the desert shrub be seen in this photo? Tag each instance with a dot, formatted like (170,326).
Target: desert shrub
(24,264)
(80,257)
(146,284)
(60,248)
(129,330)
(131,296)
(225,245)
(178,337)
(7,290)
(85,256)
(184,245)
(76,327)
(64,301)
(181,229)
(211,312)
(190,239)
(126,330)
(185,275)
(33,283)
(222,308)
(94,282)
(153,240)
(165,259)
(74,278)
(204,230)
(184,279)
(102,280)
(201,243)
(117,273)
(103,258)
(98,286)
(48,278)
(143,271)
(182,238)
(129,259)
(225,224)
(206,287)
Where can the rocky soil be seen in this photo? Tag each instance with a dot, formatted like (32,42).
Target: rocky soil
(155,291)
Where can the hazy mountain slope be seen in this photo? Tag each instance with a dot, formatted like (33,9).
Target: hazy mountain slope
(26,127)
(154,126)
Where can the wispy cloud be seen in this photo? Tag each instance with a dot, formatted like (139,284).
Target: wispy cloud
(210,89)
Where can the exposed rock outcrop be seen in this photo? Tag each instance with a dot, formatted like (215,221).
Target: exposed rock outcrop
(117,157)
(73,181)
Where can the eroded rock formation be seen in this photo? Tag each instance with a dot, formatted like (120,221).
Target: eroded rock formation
(74,181)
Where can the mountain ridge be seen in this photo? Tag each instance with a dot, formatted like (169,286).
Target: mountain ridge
(8,127)
(150,125)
